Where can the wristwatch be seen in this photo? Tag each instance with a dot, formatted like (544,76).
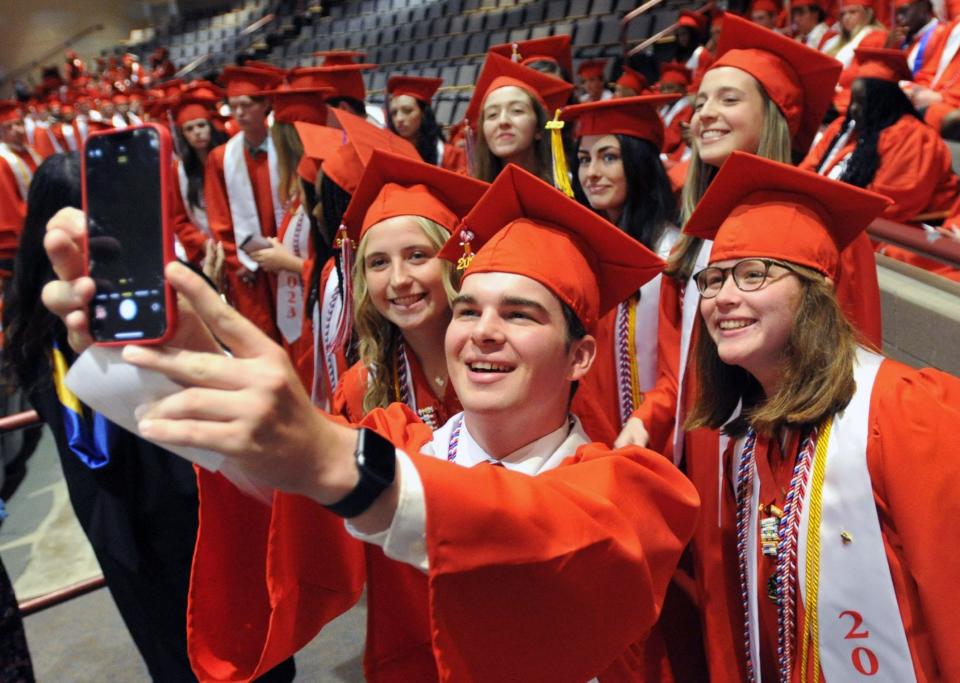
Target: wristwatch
(376,460)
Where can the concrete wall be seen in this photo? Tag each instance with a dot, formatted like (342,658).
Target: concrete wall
(921,316)
(32,28)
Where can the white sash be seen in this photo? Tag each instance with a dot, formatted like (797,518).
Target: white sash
(243,205)
(134,119)
(46,130)
(326,320)
(296,239)
(197,215)
(440,150)
(845,53)
(690,311)
(861,632)
(82,128)
(70,136)
(949,52)
(673,110)
(30,126)
(915,48)
(118,121)
(860,625)
(647,322)
(21,171)
(827,167)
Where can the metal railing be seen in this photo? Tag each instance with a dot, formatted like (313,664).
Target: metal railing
(933,243)
(11,423)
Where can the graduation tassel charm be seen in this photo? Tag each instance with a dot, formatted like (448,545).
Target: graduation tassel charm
(466,236)
(469,143)
(561,175)
(515,52)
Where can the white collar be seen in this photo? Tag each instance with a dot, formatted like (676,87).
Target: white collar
(537,456)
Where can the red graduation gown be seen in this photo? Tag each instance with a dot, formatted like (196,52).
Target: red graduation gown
(454,158)
(348,396)
(521,568)
(916,484)
(914,171)
(13,207)
(257,300)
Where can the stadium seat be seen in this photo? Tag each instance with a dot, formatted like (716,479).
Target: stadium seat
(518,34)
(585,32)
(556,10)
(541,31)
(475,22)
(578,8)
(533,12)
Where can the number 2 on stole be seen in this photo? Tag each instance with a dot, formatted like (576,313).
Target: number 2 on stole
(863,658)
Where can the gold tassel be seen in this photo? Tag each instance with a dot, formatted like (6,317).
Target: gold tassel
(561,175)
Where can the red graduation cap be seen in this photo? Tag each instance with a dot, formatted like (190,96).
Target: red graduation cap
(319,142)
(299,104)
(346,80)
(592,68)
(768,6)
(799,80)
(242,80)
(634,116)
(266,66)
(498,72)
(633,79)
(339,57)
(755,207)
(417,87)
(197,101)
(882,63)
(675,72)
(695,20)
(396,185)
(555,49)
(524,226)
(345,165)
(10,111)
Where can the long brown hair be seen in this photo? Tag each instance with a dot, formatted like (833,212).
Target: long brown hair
(378,339)
(774,144)
(286,141)
(487,167)
(817,370)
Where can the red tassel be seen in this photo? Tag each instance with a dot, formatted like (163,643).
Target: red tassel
(345,326)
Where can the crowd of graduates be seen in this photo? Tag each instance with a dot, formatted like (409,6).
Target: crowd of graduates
(612,350)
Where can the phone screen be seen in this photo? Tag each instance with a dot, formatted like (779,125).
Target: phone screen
(125,235)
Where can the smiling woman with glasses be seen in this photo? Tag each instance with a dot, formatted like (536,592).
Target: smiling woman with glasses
(822,494)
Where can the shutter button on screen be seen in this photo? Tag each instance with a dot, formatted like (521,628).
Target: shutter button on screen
(128,309)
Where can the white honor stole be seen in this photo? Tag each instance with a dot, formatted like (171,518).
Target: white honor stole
(949,52)
(296,239)
(118,121)
(326,320)
(689,313)
(861,633)
(48,131)
(21,171)
(197,215)
(243,204)
(647,323)
(673,109)
(845,54)
(70,136)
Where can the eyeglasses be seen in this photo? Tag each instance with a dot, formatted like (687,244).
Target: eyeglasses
(748,275)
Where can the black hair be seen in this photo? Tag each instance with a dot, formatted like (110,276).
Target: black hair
(428,135)
(878,104)
(575,332)
(333,203)
(193,166)
(820,12)
(29,327)
(356,106)
(650,202)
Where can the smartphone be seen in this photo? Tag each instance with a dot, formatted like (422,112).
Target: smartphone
(126,181)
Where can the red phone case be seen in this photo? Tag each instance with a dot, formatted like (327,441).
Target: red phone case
(166,166)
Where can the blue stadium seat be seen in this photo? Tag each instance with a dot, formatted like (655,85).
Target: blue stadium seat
(518,34)
(453,8)
(421,51)
(477,44)
(533,12)
(404,52)
(439,26)
(586,32)
(494,20)
(388,35)
(541,31)
(557,9)
(404,33)
(440,48)
(458,45)
(578,8)
(475,22)
(388,54)
(458,24)
(421,30)
(419,14)
(513,17)
(470,5)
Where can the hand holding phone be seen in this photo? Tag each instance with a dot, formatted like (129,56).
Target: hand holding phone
(126,180)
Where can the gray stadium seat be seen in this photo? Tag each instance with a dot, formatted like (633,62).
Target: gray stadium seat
(441,48)
(557,9)
(609,30)
(494,20)
(444,112)
(534,11)
(438,27)
(477,44)
(541,31)
(467,75)
(458,24)
(578,8)
(513,17)
(475,22)
(586,32)
(518,34)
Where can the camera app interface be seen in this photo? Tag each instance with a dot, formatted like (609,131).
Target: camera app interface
(125,235)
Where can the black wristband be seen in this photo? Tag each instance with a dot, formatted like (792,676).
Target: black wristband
(376,460)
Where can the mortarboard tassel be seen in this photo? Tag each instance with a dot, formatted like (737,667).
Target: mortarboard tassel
(515,52)
(470,143)
(466,236)
(561,174)
(345,325)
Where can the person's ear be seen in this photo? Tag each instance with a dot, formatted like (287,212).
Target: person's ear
(582,354)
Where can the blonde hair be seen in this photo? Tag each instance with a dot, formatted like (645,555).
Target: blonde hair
(817,370)
(378,339)
(774,144)
(289,148)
